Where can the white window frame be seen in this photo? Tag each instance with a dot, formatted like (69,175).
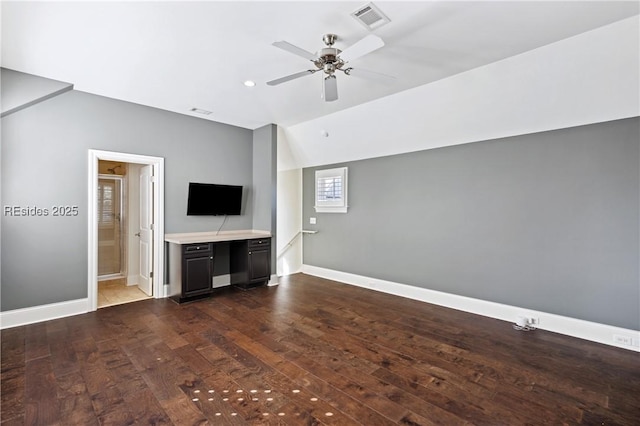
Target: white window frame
(336,205)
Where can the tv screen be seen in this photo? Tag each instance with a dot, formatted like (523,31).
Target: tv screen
(208,199)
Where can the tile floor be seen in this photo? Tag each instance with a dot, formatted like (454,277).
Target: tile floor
(116,292)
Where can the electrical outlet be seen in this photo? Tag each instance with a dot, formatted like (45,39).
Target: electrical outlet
(527,321)
(312,221)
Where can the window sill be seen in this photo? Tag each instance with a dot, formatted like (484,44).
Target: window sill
(323,209)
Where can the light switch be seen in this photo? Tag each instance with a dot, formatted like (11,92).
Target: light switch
(312,221)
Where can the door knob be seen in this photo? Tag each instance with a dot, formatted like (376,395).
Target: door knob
(137,234)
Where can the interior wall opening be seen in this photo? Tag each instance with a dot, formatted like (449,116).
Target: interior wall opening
(118,218)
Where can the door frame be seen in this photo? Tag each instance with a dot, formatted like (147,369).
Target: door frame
(158,220)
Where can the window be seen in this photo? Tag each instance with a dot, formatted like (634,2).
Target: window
(331,190)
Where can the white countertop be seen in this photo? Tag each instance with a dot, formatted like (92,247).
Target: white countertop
(212,237)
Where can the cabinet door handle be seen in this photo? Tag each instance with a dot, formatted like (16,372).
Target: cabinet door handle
(249,252)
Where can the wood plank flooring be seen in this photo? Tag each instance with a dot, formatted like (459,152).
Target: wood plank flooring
(308,352)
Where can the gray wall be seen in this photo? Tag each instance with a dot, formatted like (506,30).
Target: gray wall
(546,221)
(264,181)
(20,90)
(44,163)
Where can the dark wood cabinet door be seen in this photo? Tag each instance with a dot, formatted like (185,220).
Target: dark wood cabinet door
(198,273)
(259,265)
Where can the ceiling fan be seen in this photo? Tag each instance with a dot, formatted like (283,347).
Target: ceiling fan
(329,60)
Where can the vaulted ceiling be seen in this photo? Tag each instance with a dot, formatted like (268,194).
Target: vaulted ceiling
(182,55)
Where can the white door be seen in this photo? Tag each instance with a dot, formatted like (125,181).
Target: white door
(146,230)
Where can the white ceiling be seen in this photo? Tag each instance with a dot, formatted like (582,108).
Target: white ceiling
(179,55)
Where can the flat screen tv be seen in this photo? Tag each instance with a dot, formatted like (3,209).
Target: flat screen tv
(208,199)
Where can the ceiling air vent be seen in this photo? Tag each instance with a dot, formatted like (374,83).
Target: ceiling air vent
(370,16)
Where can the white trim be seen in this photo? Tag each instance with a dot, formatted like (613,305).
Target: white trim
(319,209)
(159,289)
(17,317)
(110,277)
(595,332)
(273,280)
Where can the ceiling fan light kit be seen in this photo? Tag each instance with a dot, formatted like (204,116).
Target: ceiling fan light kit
(329,60)
(330,88)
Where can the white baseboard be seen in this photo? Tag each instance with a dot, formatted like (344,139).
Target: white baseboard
(595,332)
(225,280)
(48,312)
(274,280)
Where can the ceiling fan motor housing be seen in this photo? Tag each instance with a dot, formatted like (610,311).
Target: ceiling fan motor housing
(328,60)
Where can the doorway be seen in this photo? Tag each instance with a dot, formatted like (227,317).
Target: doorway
(126,231)
(120,239)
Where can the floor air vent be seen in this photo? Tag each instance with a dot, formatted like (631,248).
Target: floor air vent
(370,16)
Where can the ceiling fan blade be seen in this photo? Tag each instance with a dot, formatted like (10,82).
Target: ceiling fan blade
(370,75)
(290,77)
(295,50)
(330,88)
(361,48)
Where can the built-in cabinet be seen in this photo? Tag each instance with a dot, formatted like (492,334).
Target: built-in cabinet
(191,271)
(191,263)
(250,262)
(197,268)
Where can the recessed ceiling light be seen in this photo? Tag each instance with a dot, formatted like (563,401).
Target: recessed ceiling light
(200,111)
(249,83)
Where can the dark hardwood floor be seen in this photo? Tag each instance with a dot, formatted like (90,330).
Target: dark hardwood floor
(308,352)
